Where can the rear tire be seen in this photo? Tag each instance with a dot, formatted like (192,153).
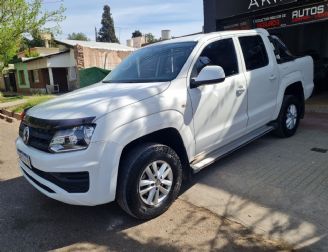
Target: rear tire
(149,180)
(289,117)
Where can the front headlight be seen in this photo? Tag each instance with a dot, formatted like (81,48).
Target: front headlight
(77,138)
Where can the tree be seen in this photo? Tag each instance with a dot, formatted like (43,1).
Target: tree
(107,31)
(21,17)
(150,38)
(78,36)
(136,34)
(35,41)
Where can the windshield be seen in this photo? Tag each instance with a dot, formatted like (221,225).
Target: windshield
(157,63)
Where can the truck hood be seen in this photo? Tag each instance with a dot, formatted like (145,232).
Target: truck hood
(96,100)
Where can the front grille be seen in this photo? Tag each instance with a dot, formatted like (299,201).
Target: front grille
(43,130)
(39,138)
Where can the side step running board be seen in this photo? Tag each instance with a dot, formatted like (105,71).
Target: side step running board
(204,161)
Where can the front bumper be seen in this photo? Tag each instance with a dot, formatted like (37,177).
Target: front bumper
(97,174)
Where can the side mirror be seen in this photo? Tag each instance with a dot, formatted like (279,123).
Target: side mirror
(208,75)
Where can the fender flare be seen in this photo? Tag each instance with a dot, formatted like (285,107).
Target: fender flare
(143,126)
(285,83)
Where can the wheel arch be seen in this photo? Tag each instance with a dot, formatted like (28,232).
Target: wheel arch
(291,86)
(296,89)
(167,136)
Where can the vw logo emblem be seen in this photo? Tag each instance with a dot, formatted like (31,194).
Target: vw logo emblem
(26,135)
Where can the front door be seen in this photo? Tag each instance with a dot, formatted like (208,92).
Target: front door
(60,79)
(220,110)
(13,82)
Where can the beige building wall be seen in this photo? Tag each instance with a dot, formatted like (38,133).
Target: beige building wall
(37,64)
(91,57)
(46,51)
(61,60)
(139,41)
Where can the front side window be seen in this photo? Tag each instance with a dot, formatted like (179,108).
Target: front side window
(254,52)
(221,53)
(157,63)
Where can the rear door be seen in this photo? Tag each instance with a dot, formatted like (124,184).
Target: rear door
(262,78)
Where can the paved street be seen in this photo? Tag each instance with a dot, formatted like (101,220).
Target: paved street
(275,187)
(272,189)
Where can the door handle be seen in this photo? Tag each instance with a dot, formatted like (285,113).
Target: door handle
(272,77)
(240,91)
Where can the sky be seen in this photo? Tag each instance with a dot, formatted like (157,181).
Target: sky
(181,17)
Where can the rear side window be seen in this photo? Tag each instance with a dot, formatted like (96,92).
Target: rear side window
(221,53)
(281,51)
(254,51)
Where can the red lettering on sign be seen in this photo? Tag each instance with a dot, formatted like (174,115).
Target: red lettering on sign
(321,15)
(268,24)
(300,19)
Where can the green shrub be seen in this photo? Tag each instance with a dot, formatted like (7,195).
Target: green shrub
(31,54)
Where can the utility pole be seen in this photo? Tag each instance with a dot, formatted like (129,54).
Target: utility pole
(120,29)
(96,34)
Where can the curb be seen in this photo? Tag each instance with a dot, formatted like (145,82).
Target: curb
(7,112)
(8,116)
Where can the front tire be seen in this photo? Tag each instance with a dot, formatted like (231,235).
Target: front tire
(149,180)
(289,117)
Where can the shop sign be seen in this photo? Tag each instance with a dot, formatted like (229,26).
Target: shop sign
(300,15)
(232,8)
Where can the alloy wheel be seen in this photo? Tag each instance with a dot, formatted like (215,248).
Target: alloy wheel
(155,183)
(291,119)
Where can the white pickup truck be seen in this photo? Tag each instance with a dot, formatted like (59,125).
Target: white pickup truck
(169,109)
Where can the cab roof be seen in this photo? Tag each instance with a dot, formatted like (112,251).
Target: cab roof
(207,36)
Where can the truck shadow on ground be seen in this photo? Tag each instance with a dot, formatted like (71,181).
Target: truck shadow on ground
(30,221)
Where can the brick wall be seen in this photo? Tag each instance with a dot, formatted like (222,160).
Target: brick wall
(79,57)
